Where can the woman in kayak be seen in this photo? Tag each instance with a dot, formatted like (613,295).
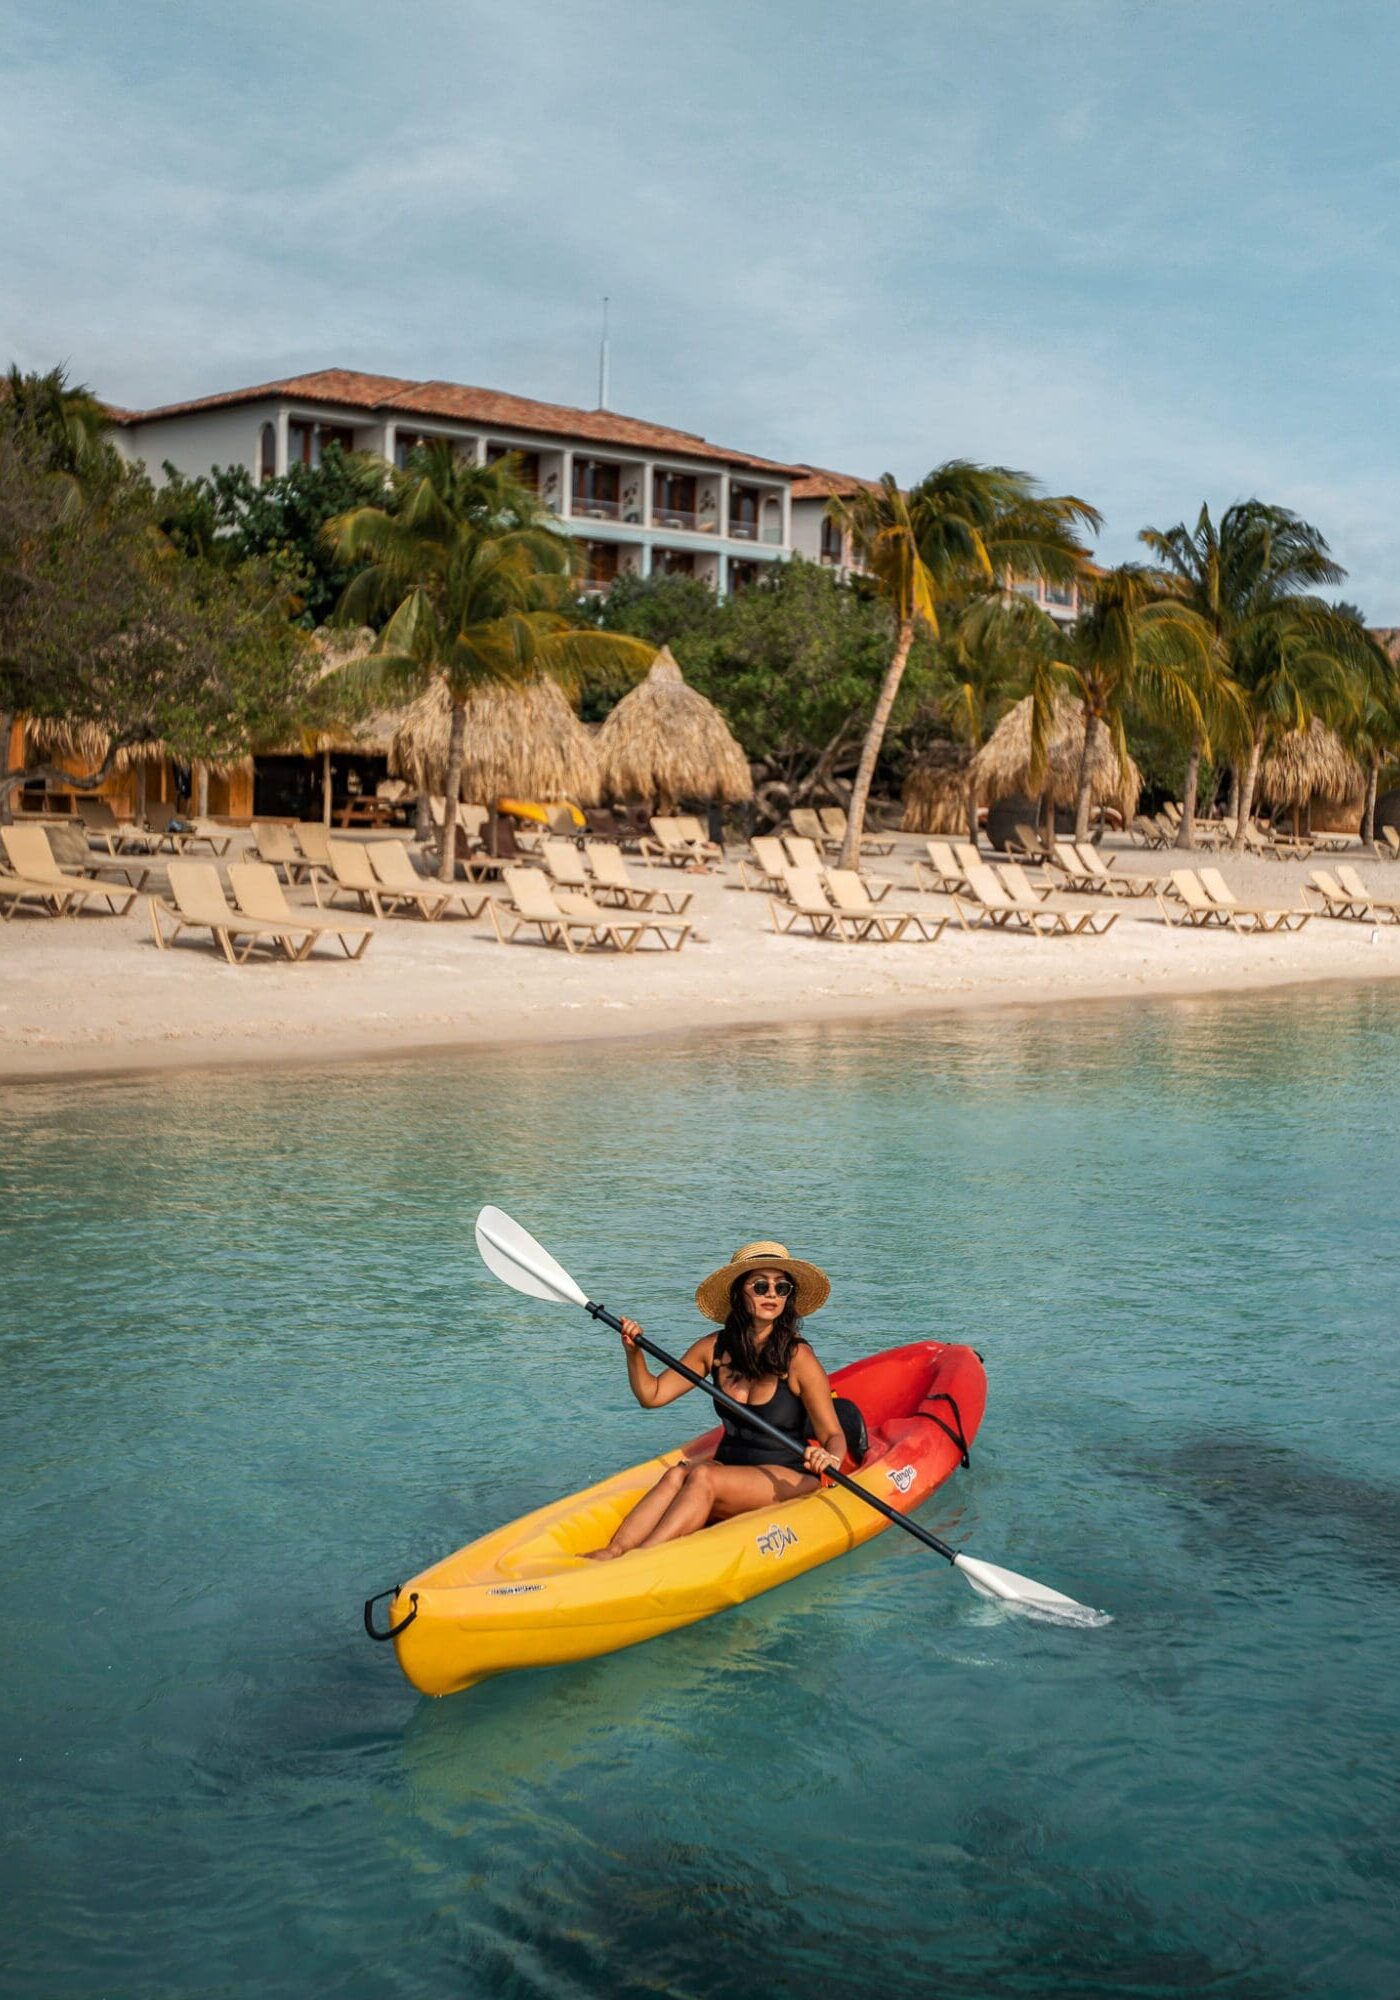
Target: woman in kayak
(759,1357)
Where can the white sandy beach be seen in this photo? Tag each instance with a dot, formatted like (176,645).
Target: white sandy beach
(93,995)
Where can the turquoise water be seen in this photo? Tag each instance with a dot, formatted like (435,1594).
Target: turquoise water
(252,1370)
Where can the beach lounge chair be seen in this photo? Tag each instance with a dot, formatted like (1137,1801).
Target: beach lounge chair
(803,852)
(942,874)
(354,874)
(768,868)
(533,906)
(835,826)
(314,840)
(876,887)
(196,832)
(848,891)
(399,879)
(19,891)
(689,828)
(276,846)
(32,859)
(612,883)
(666,845)
(1340,902)
(69,845)
(1099,877)
(565,864)
(1383,908)
(1392,842)
(1025,844)
(1252,918)
(119,835)
(260,896)
(808,903)
(806,823)
(991,902)
(197,902)
(671,931)
(1186,903)
(1145,832)
(1020,885)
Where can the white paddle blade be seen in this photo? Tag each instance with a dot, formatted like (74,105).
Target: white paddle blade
(511,1254)
(1023,1593)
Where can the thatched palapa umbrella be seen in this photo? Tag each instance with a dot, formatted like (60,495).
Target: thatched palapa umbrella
(664,741)
(523,740)
(935,792)
(1309,764)
(1003,764)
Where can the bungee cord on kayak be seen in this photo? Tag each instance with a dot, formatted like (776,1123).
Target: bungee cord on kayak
(623,1560)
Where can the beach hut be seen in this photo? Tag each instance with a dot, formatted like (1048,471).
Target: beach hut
(1309,765)
(664,742)
(935,791)
(523,740)
(143,778)
(1002,766)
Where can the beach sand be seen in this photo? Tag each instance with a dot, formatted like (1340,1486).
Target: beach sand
(93,995)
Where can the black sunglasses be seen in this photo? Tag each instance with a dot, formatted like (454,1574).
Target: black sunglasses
(781,1288)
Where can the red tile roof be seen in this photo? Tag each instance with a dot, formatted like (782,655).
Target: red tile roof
(397,396)
(815,483)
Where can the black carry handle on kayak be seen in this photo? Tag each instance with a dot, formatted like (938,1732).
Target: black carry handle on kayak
(758,1423)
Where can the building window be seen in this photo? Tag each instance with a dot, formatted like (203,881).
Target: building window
(267,452)
(596,487)
(307,441)
(672,562)
(673,500)
(743,513)
(833,541)
(602,561)
(526,467)
(742,574)
(772,530)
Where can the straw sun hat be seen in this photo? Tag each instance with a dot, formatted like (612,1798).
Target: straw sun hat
(813,1286)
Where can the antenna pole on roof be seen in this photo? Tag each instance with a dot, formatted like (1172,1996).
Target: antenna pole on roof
(603,362)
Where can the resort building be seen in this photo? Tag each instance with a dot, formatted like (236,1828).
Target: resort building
(642,498)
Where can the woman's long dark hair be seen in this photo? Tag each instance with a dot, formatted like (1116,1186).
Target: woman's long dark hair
(737,1346)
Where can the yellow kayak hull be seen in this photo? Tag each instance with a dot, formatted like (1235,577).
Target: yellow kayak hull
(526,1595)
(532,809)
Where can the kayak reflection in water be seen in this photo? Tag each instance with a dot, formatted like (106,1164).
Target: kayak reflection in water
(761,1357)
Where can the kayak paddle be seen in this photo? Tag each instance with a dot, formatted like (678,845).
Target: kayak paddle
(511,1254)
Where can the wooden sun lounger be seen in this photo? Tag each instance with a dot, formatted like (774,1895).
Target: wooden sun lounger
(400,880)
(354,874)
(1188,904)
(835,826)
(17,891)
(565,864)
(849,893)
(276,846)
(313,839)
(613,884)
(803,852)
(71,849)
(1358,905)
(809,903)
(669,844)
(992,903)
(533,906)
(1025,844)
(1383,908)
(768,868)
(33,860)
(1254,919)
(1085,870)
(806,824)
(260,897)
(116,834)
(1020,886)
(942,874)
(671,932)
(198,903)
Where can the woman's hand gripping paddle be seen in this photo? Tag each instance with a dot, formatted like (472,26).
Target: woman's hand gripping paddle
(511,1254)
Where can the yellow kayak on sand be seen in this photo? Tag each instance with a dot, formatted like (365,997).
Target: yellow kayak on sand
(532,809)
(526,1595)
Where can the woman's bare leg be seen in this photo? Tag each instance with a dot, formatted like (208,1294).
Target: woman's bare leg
(636,1526)
(721,1491)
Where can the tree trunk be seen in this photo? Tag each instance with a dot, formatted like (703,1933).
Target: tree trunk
(141,790)
(327,788)
(7,723)
(452,791)
(1092,726)
(1232,803)
(1368,816)
(1045,818)
(870,749)
(972,809)
(422,819)
(1186,833)
(1247,784)
(201,791)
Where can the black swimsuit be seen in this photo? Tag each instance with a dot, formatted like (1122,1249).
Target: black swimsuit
(742,1446)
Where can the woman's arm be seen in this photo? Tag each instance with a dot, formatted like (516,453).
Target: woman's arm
(653,1391)
(815,1391)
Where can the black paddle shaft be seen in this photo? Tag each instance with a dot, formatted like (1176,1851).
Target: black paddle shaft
(758,1423)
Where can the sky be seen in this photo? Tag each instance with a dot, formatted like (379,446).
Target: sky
(1148,252)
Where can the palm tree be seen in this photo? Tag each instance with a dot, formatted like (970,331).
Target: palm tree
(1277,648)
(65,424)
(994,649)
(1133,648)
(475,587)
(964,527)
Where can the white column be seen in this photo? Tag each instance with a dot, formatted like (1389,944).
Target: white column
(723,522)
(391,437)
(648,471)
(645,562)
(283,421)
(566,484)
(787,518)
